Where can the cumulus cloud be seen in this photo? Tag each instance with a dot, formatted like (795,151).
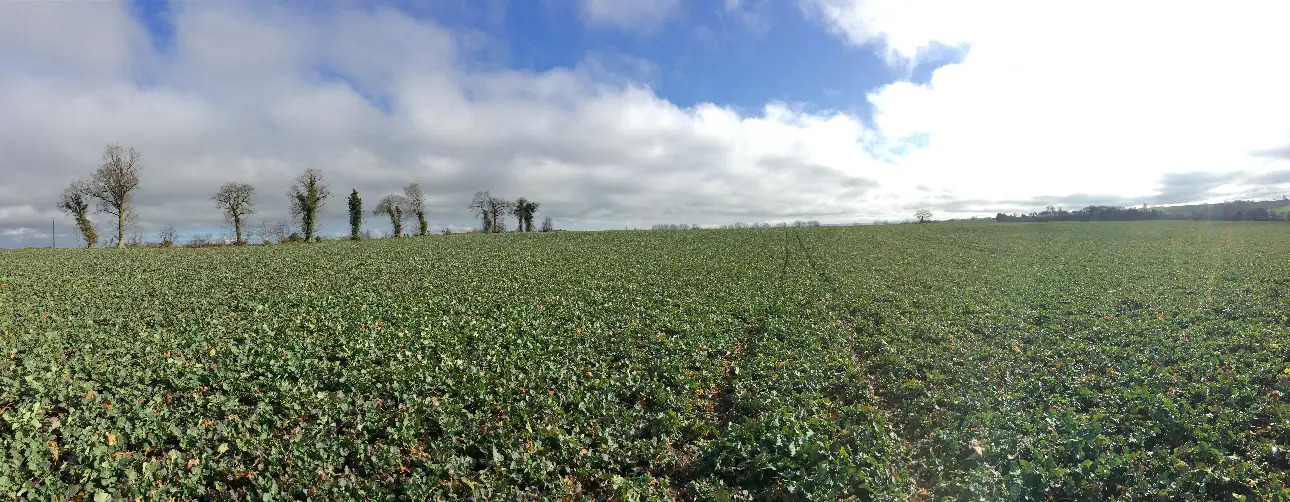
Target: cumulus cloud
(375,99)
(1083,97)
(1090,102)
(902,29)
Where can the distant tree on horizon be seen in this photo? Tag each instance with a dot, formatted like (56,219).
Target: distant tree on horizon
(548,225)
(396,206)
(524,209)
(74,202)
(237,201)
(167,236)
(355,215)
(308,195)
(271,232)
(114,183)
(417,206)
(923,215)
(517,209)
(497,208)
(479,207)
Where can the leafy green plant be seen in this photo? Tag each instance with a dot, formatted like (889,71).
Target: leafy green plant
(1109,361)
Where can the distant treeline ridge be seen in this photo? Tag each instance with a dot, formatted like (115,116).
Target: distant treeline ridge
(1241,210)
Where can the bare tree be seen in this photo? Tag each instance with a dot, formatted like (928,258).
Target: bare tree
(417,206)
(547,225)
(273,232)
(236,201)
(490,209)
(308,195)
(137,235)
(923,215)
(497,208)
(479,207)
(76,204)
(114,183)
(397,207)
(263,230)
(167,235)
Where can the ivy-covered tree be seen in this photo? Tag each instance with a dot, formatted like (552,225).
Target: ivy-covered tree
(308,194)
(355,215)
(417,206)
(479,207)
(75,203)
(395,206)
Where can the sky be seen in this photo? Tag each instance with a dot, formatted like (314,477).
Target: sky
(626,113)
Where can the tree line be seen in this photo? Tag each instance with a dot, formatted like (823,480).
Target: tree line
(493,210)
(738,225)
(111,187)
(1240,210)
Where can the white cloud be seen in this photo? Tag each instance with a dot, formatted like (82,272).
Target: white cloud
(631,15)
(20,232)
(1108,99)
(1057,98)
(903,28)
(96,41)
(377,99)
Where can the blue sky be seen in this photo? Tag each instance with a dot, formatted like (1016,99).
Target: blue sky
(617,113)
(701,53)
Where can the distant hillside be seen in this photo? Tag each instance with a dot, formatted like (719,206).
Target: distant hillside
(1281,206)
(1239,210)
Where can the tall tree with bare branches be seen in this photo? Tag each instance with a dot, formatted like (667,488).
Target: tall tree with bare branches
(479,207)
(396,206)
(497,208)
(308,194)
(236,200)
(417,206)
(76,204)
(114,183)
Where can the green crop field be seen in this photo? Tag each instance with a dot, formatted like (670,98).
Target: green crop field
(974,361)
